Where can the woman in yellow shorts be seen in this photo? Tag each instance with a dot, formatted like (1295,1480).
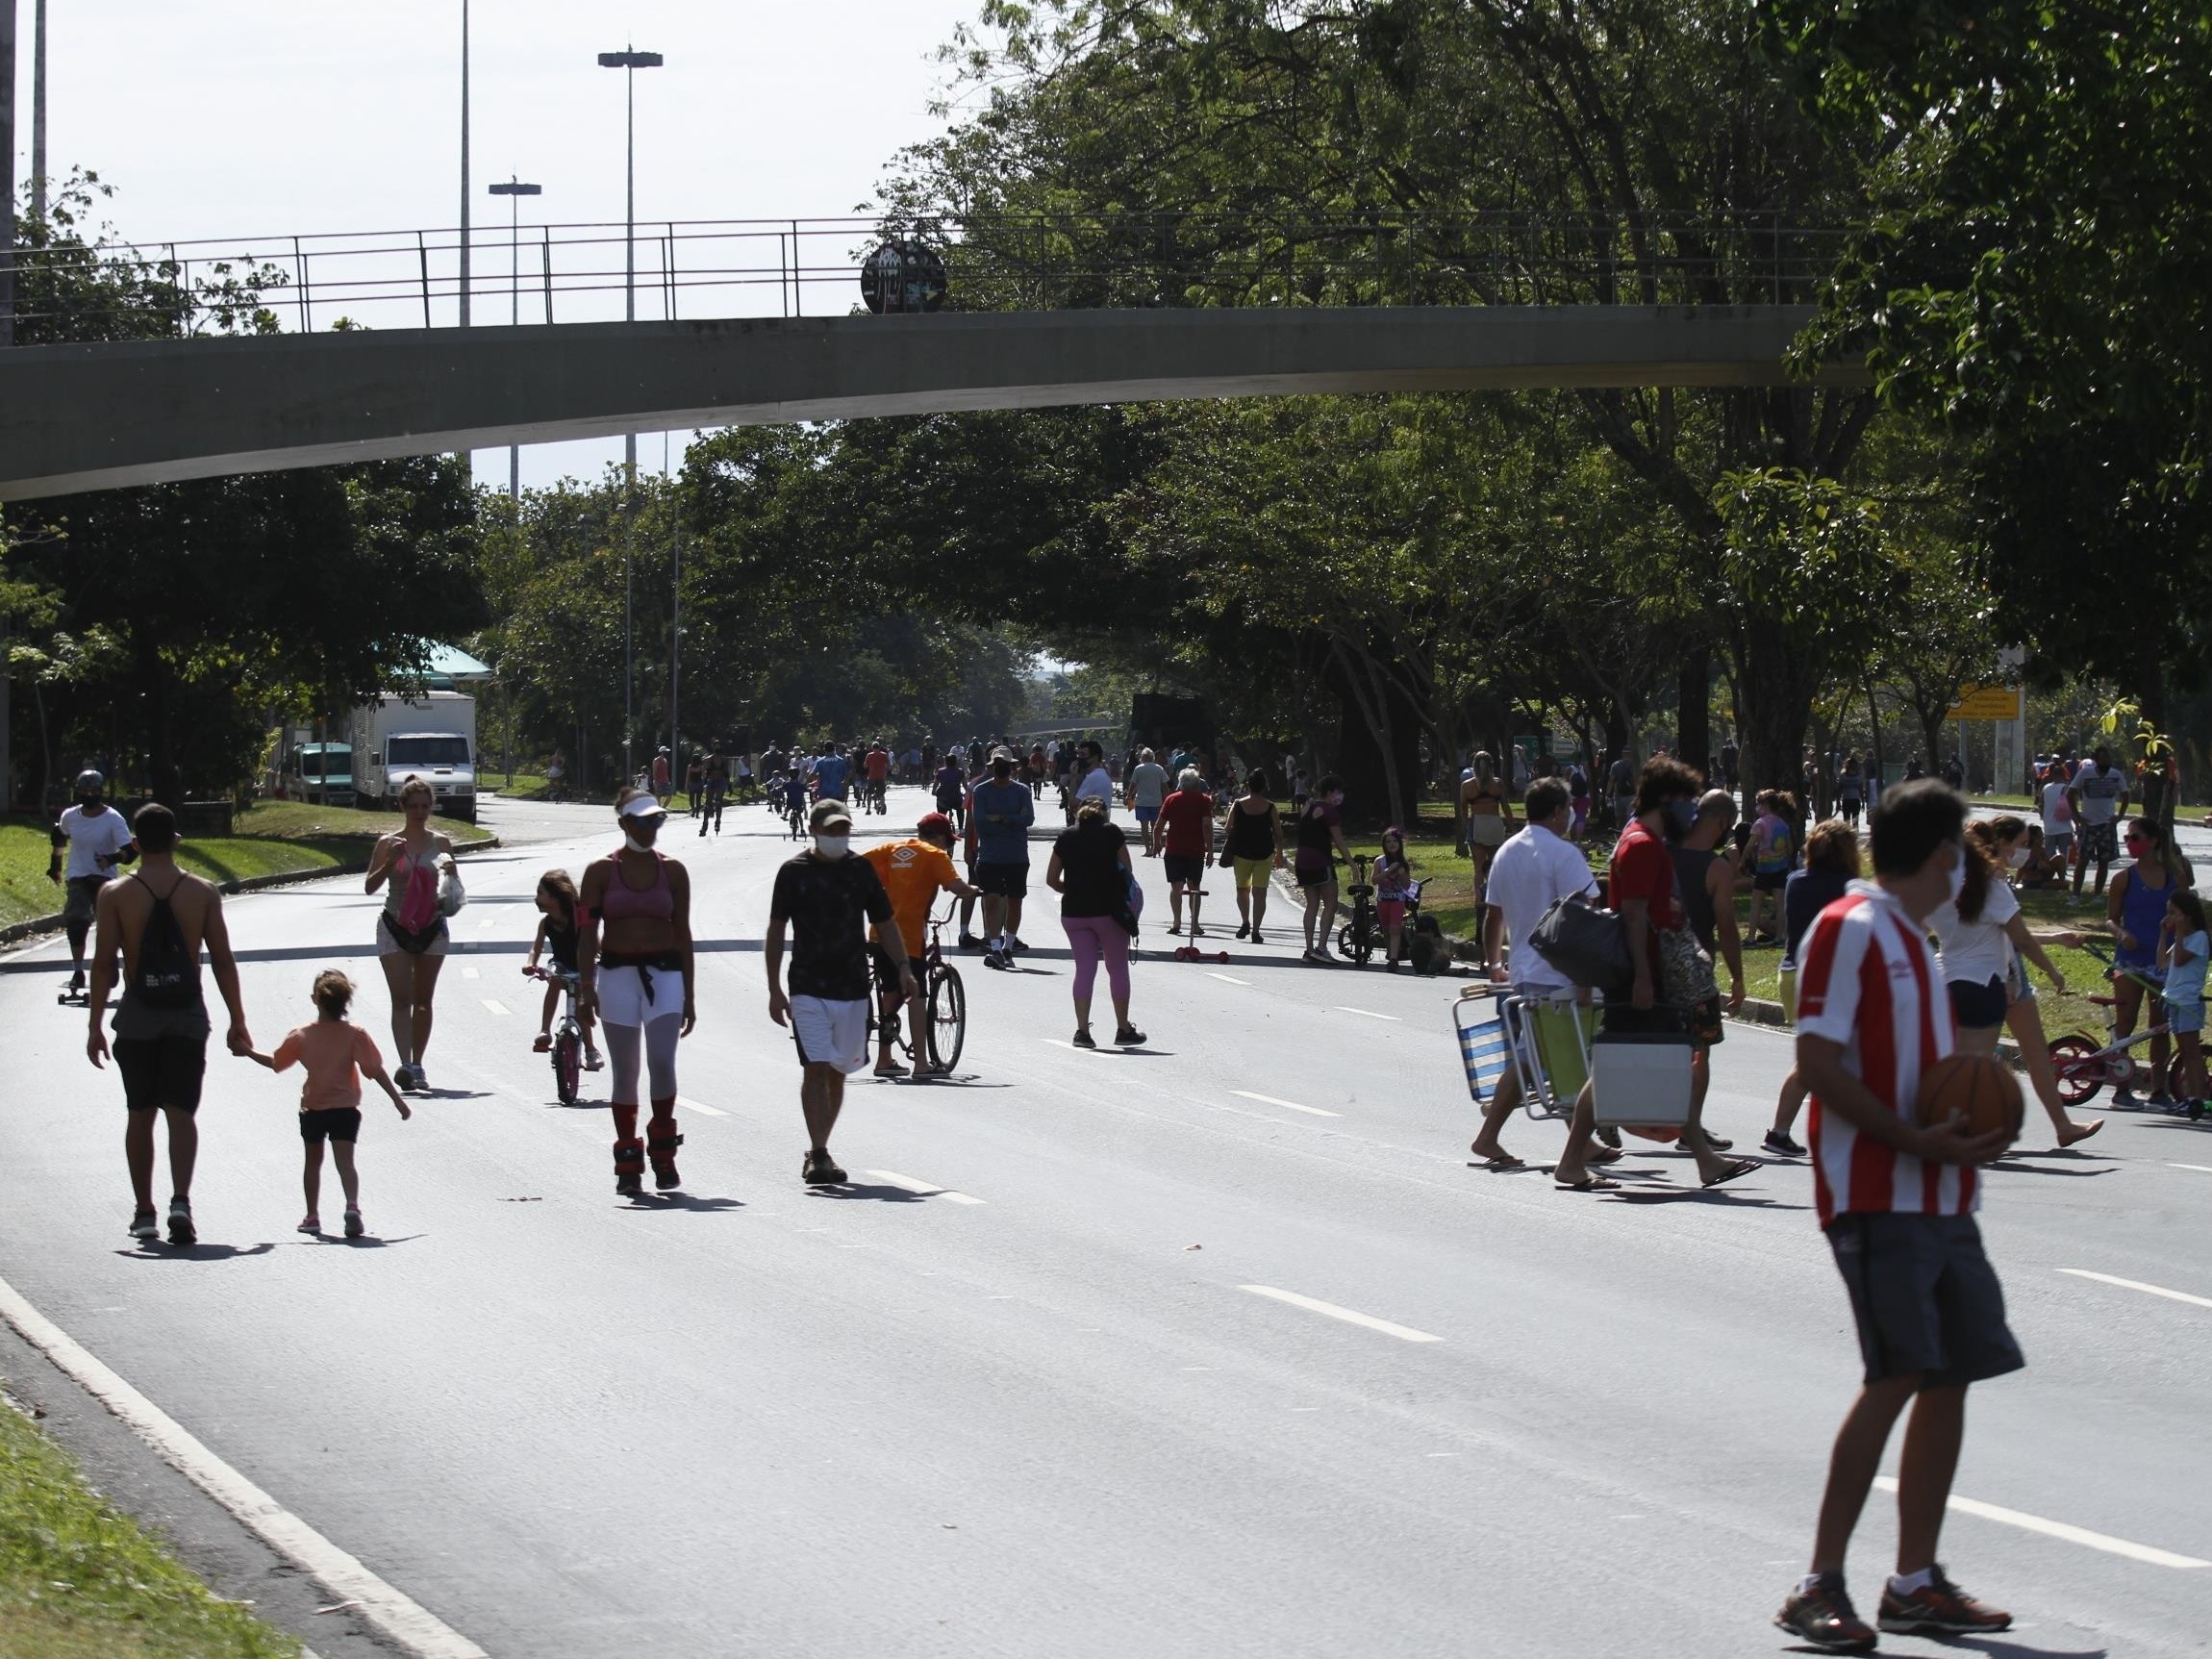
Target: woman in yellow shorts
(1254,845)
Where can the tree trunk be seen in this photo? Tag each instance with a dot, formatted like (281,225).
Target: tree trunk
(1694,710)
(1776,681)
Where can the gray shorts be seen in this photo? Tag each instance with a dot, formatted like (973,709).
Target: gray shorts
(1925,1299)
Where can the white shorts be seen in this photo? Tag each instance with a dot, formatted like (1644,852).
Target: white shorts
(623,999)
(830,1033)
(387,946)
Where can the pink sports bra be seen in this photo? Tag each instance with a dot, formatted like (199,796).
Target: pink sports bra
(623,902)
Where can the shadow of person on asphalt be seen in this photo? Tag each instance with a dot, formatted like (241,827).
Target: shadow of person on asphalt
(153,1250)
(862,1190)
(367,1242)
(1732,1198)
(673,1201)
(2011,1165)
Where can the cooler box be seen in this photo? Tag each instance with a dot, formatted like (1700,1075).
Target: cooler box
(1641,1081)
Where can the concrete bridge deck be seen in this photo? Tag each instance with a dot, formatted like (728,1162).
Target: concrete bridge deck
(75,417)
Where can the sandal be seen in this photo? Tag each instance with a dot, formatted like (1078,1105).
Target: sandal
(1587,1184)
(1504,1160)
(544,1045)
(1736,1167)
(593,1062)
(1606,1155)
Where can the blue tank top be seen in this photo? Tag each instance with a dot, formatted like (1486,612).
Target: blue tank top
(2141,912)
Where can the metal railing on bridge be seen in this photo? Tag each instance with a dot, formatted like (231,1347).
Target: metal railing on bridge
(792,267)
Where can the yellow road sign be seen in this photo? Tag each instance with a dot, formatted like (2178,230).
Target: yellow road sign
(1986,703)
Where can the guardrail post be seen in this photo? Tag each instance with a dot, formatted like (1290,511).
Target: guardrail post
(798,298)
(422,253)
(299,270)
(548,265)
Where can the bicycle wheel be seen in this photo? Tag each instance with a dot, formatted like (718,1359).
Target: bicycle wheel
(2078,1069)
(947,1016)
(568,1065)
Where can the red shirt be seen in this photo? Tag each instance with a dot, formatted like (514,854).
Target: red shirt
(1644,868)
(1188,819)
(1867,980)
(878,765)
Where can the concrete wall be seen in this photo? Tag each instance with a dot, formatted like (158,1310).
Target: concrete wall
(97,417)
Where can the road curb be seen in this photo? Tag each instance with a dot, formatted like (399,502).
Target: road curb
(15,933)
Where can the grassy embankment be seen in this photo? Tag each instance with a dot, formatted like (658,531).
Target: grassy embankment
(274,838)
(1450,898)
(80,1581)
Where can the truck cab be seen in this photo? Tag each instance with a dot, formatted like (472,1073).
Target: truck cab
(440,759)
(321,773)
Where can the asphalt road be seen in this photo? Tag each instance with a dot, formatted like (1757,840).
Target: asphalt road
(1066,1416)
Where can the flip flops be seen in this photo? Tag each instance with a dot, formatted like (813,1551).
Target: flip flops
(1587,1184)
(1736,1167)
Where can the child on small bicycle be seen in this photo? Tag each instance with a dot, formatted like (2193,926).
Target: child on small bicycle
(557,937)
(1393,884)
(337,1055)
(2182,951)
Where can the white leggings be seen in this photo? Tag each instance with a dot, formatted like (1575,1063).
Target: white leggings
(659,1058)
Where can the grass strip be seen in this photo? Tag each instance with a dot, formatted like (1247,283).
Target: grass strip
(81,1580)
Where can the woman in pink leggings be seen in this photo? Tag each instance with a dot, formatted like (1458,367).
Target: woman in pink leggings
(1090,870)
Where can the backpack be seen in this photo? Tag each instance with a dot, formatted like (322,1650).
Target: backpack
(168,974)
(1588,945)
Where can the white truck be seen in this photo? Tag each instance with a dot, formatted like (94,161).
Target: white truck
(431,736)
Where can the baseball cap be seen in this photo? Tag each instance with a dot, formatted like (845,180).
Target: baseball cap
(932,823)
(826,813)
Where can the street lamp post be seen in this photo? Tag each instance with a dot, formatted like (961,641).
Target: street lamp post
(39,112)
(629,61)
(465,204)
(513,189)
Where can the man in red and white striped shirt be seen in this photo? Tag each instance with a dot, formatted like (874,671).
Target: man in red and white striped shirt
(1897,1204)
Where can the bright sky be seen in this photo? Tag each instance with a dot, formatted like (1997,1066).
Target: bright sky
(316,116)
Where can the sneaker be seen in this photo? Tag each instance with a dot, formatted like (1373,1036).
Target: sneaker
(1084,1039)
(629,1182)
(1014,947)
(1128,1037)
(1244,931)
(993,959)
(2126,1101)
(354,1228)
(145,1224)
(1940,1607)
(1781,1145)
(2161,1101)
(421,1079)
(821,1171)
(1823,1617)
(969,941)
(1610,1136)
(310,1223)
(1719,1143)
(1256,939)
(181,1228)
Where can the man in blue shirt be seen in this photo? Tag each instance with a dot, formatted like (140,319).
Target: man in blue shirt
(1004,811)
(831,771)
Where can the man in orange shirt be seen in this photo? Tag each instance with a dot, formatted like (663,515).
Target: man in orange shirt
(914,872)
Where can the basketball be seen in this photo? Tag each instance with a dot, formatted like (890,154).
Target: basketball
(1979,1087)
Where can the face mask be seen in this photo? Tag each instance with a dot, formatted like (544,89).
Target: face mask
(2017,858)
(635,844)
(93,803)
(831,845)
(1958,876)
(1681,816)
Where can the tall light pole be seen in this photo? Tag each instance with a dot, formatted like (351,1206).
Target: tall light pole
(465,203)
(513,189)
(6,172)
(39,112)
(629,61)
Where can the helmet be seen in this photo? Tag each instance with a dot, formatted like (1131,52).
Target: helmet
(934,823)
(90,782)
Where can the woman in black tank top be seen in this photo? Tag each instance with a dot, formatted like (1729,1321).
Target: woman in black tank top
(1254,845)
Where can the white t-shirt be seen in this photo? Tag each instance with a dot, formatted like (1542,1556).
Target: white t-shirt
(93,839)
(1148,784)
(2057,810)
(1532,871)
(2100,789)
(1095,784)
(1977,951)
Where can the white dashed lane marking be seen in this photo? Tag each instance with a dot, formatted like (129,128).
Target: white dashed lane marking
(1350,1316)
(1368,1013)
(691,1105)
(2080,1535)
(920,1189)
(495,1005)
(2139,1285)
(1290,1105)
(2199,1168)
(1226,978)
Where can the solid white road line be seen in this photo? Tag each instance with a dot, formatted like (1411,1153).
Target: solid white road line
(2200,1168)
(691,1105)
(1404,1333)
(923,1189)
(1293,1105)
(1226,978)
(495,1004)
(1370,1012)
(2081,1535)
(406,1622)
(2139,1285)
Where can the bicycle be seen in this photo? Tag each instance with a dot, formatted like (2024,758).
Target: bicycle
(945,1005)
(568,1034)
(2080,1067)
(1358,939)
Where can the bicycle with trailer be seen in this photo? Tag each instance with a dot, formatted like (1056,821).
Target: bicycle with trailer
(1361,936)
(945,1007)
(567,1051)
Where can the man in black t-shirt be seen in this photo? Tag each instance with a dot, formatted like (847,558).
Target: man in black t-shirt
(826,897)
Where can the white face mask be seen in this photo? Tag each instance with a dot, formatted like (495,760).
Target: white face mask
(2017,858)
(635,844)
(831,845)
